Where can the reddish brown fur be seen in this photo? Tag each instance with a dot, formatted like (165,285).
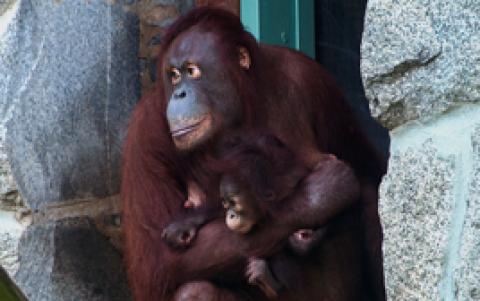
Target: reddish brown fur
(260,184)
(285,92)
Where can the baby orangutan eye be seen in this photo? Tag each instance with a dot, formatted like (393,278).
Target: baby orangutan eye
(175,76)
(194,71)
(228,202)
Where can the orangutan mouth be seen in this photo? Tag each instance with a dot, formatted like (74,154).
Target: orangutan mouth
(178,133)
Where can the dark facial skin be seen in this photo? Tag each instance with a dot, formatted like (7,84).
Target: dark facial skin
(198,110)
(242,213)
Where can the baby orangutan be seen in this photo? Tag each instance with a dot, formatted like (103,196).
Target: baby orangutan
(244,212)
(259,186)
(259,175)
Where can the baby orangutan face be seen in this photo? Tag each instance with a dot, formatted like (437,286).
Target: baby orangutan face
(241,212)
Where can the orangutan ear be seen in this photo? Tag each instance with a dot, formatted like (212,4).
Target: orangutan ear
(244,58)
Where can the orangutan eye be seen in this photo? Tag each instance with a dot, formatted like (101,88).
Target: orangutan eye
(194,71)
(229,201)
(175,76)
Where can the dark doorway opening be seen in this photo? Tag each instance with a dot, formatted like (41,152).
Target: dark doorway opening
(338,35)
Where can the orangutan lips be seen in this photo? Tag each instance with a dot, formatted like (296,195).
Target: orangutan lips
(177,133)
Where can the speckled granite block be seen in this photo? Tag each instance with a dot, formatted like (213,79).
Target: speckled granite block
(10,232)
(69,260)
(421,72)
(420,57)
(467,273)
(415,207)
(68,83)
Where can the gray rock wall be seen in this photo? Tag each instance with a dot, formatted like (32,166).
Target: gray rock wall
(68,83)
(79,262)
(72,78)
(10,228)
(421,72)
(69,79)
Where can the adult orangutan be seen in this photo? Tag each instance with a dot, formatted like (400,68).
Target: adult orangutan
(215,83)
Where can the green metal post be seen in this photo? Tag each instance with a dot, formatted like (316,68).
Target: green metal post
(288,23)
(250,14)
(305,26)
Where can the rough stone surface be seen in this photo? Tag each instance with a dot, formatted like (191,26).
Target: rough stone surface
(467,274)
(420,57)
(9,196)
(10,232)
(5,5)
(68,81)
(154,17)
(70,260)
(416,201)
(421,71)
(68,84)
(428,255)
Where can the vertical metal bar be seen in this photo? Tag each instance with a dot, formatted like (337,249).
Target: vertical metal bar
(305,26)
(296,31)
(250,16)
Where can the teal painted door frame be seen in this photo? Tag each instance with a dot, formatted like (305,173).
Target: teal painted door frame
(289,23)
